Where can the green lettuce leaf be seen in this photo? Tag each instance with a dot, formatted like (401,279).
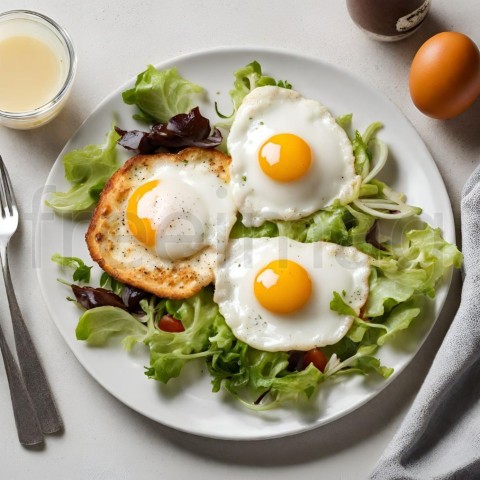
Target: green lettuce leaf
(338,304)
(159,95)
(169,352)
(296,230)
(345,121)
(362,155)
(264,367)
(110,283)
(427,250)
(399,318)
(362,362)
(369,363)
(228,365)
(421,260)
(330,225)
(81,271)
(292,384)
(97,325)
(239,230)
(385,293)
(248,372)
(357,331)
(362,225)
(343,349)
(246,80)
(337,224)
(87,169)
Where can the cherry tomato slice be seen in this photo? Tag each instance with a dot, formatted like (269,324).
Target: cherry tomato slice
(170,324)
(317,357)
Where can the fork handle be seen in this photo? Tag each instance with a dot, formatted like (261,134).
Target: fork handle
(32,370)
(28,428)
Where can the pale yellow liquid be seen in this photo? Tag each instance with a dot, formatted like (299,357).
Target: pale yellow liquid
(30,74)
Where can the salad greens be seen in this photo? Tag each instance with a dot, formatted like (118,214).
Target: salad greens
(82,271)
(87,169)
(169,351)
(402,274)
(164,98)
(247,79)
(100,323)
(161,95)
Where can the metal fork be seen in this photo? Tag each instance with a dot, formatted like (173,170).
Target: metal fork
(31,368)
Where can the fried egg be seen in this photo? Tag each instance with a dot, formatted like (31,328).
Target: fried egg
(163,221)
(275,293)
(289,157)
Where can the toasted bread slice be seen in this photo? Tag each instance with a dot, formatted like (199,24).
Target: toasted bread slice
(125,258)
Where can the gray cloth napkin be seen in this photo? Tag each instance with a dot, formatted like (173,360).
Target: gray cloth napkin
(440,436)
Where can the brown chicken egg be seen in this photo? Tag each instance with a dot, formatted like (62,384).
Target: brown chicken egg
(445,75)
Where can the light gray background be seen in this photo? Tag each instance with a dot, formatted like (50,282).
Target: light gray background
(104,440)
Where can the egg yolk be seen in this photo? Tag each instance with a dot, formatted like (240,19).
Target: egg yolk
(140,227)
(285,157)
(282,286)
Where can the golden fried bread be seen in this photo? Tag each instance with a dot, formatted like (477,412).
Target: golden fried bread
(121,255)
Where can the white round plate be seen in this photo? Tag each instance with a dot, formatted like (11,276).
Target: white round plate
(187,403)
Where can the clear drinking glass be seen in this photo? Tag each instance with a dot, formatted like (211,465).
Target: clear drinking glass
(26,23)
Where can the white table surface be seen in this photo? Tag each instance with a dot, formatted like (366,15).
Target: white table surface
(103,439)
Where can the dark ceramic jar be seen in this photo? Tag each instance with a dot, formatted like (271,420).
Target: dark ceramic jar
(388,20)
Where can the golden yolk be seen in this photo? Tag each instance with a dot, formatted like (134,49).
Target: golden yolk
(140,227)
(282,286)
(285,157)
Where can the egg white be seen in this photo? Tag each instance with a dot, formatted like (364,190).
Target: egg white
(190,209)
(331,267)
(270,110)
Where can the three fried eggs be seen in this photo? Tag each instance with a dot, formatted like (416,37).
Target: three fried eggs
(176,215)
